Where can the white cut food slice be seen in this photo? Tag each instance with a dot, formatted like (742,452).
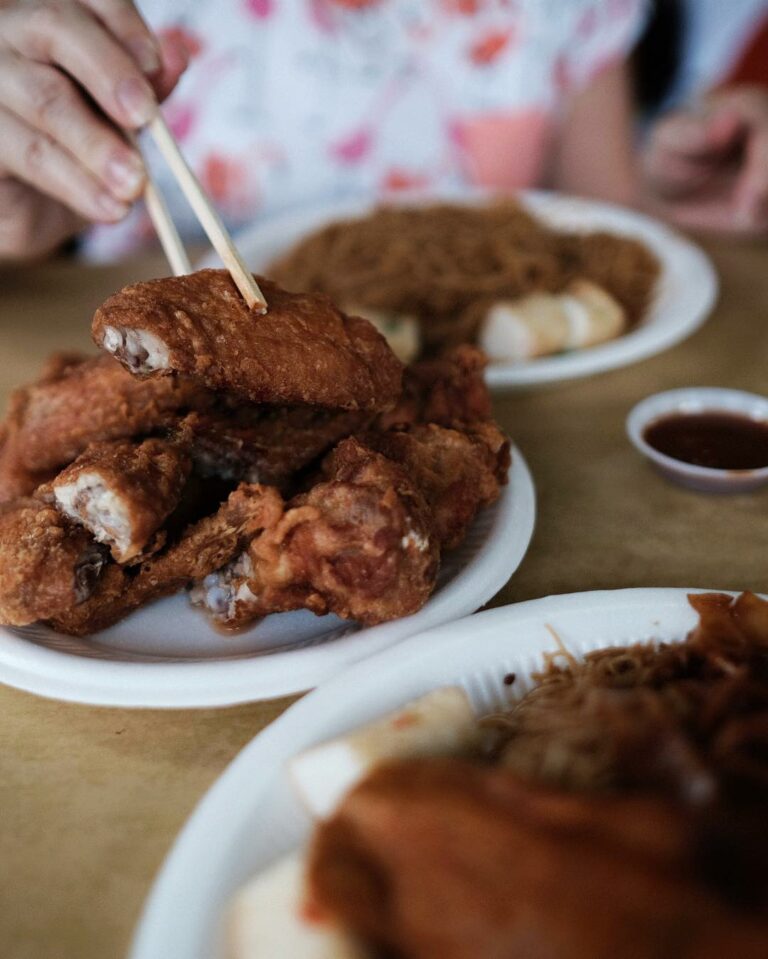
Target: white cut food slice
(606,318)
(400,330)
(540,324)
(88,500)
(141,350)
(516,330)
(441,723)
(269,918)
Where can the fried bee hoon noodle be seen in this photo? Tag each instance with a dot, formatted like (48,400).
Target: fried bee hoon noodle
(447,264)
(688,719)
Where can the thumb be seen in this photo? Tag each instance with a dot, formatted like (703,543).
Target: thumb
(31,224)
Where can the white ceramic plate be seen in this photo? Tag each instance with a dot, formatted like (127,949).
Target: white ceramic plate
(167,655)
(685,294)
(250,816)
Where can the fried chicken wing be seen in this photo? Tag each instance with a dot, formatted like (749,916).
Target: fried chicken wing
(258,444)
(443,859)
(122,492)
(208,545)
(358,544)
(448,390)
(302,351)
(76,403)
(15,480)
(47,564)
(458,472)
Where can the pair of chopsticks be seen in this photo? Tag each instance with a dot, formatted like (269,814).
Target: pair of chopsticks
(204,210)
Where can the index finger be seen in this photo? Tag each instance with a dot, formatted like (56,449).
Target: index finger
(69,36)
(126,24)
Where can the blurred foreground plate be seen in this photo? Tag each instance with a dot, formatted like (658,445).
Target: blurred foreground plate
(250,816)
(167,655)
(685,294)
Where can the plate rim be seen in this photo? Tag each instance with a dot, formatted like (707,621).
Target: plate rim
(174,881)
(196,684)
(645,341)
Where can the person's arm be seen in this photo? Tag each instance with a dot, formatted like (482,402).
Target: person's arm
(594,155)
(72,74)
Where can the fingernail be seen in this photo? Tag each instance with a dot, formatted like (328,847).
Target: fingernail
(136,100)
(110,208)
(125,173)
(145,54)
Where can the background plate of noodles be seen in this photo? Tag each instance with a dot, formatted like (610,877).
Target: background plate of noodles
(453,266)
(251,816)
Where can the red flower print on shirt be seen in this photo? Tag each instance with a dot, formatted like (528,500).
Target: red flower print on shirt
(259,8)
(587,23)
(467,8)
(182,37)
(503,150)
(397,179)
(356,4)
(181,118)
(354,148)
(321,17)
(226,179)
(490,47)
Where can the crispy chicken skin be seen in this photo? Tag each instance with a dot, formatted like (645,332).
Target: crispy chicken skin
(443,859)
(458,472)
(47,564)
(206,546)
(302,351)
(122,492)
(358,544)
(448,390)
(256,444)
(15,480)
(76,403)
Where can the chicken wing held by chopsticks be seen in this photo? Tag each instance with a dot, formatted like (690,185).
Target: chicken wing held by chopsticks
(122,492)
(302,351)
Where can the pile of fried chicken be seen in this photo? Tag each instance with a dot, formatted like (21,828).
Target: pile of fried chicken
(267,463)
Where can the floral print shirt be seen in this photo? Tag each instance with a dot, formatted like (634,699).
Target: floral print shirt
(289,102)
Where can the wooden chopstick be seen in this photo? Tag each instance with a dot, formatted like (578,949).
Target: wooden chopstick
(206,214)
(160,215)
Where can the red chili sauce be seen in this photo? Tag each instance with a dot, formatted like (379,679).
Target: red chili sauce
(725,441)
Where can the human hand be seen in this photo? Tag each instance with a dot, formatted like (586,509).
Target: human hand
(72,74)
(708,167)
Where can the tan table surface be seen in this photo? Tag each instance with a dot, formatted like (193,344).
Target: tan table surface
(90,799)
